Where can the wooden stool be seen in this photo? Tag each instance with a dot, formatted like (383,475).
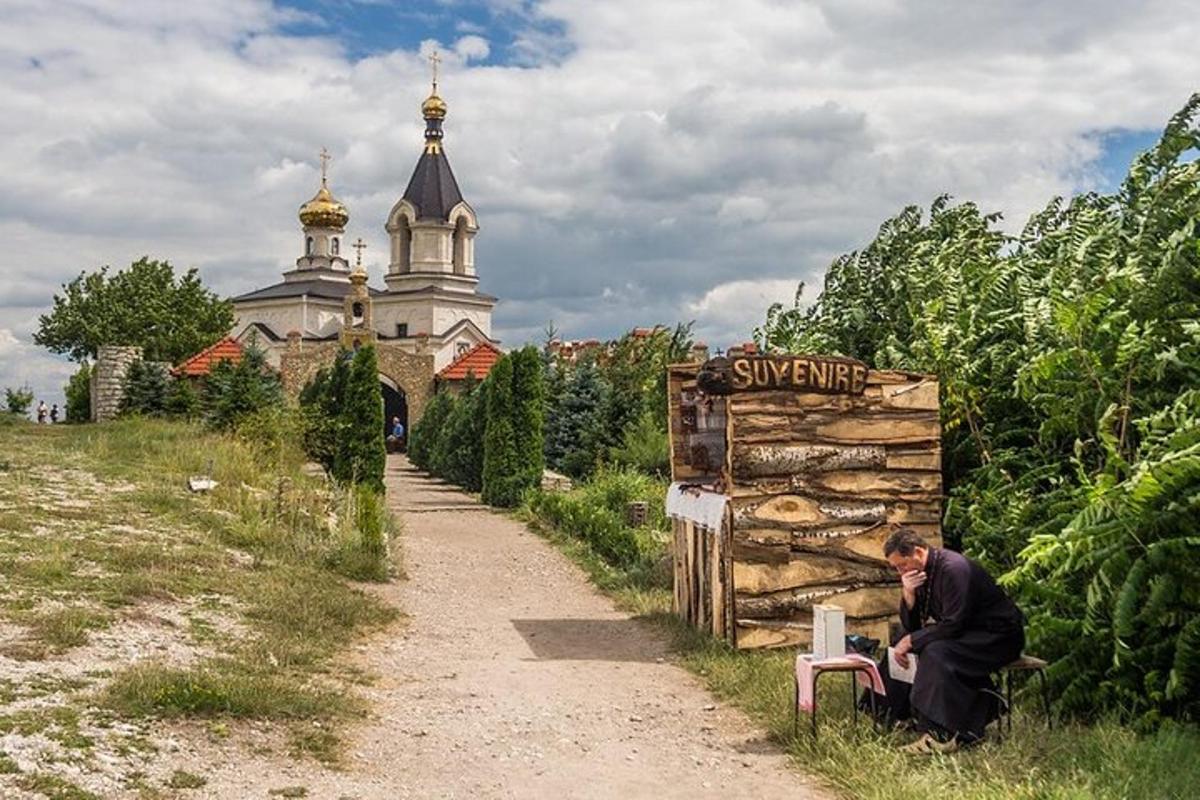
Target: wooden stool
(1026,663)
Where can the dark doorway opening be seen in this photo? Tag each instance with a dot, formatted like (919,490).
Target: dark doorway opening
(395,404)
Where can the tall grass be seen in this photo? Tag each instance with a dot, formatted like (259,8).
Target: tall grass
(595,514)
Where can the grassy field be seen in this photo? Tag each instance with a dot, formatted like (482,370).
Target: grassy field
(1105,761)
(126,600)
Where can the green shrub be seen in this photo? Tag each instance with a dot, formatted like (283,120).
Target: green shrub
(18,400)
(528,414)
(501,465)
(575,428)
(235,391)
(182,399)
(144,390)
(424,437)
(79,395)
(362,553)
(601,528)
(361,454)
(644,447)
(459,454)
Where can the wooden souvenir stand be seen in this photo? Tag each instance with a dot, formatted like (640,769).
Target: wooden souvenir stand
(818,460)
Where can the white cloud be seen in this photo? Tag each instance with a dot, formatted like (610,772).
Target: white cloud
(472,48)
(695,164)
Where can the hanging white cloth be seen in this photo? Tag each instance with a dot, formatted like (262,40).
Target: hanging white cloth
(704,508)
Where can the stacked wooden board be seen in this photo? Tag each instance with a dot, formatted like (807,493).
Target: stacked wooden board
(816,482)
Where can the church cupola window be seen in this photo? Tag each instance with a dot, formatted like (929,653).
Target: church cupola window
(308,246)
(460,246)
(334,245)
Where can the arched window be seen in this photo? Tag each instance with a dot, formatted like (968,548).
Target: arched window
(356,311)
(308,246)
(333,246)
(460,247)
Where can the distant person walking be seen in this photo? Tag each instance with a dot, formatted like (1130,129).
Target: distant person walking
(54,413)
(41,412)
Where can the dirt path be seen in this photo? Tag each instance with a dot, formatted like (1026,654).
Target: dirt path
(514,678)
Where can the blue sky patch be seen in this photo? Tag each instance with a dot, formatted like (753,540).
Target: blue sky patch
(369,27)
(1120,147)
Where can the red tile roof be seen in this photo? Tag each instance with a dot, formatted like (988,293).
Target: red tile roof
(478,361)
(199,365)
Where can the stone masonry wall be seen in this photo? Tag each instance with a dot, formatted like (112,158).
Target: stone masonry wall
(108,378)
(412,373)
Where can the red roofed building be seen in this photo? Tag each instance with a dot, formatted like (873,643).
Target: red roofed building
(477,361)
(199,365)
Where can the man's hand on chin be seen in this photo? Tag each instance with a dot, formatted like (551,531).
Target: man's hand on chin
(902,649)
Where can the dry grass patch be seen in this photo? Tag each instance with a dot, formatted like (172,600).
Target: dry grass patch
(131,599)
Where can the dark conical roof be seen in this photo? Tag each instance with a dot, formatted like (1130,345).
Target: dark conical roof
(432,188)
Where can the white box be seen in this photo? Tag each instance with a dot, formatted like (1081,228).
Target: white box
(829,631)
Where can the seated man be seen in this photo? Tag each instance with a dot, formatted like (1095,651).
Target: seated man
(963,627)
(395,440)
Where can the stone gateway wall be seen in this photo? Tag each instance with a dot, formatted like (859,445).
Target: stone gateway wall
(108,379)
(413,374)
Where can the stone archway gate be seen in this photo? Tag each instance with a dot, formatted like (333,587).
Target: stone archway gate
(413,374)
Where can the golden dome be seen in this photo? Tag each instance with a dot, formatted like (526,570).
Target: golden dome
(434,107)
(324,211)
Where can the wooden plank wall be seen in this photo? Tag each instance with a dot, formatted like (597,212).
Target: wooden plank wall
(817,483)
(703,594)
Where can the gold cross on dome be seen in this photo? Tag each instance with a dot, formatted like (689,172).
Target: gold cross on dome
(359,246)
(434,60)
(325,159)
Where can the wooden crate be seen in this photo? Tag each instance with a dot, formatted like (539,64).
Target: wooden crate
(816,479)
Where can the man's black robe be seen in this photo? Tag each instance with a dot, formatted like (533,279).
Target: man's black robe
(963,628)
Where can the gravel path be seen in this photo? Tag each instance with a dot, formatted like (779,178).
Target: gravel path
(514,678)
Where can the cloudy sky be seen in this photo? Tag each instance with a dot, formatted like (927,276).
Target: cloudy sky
(631,162)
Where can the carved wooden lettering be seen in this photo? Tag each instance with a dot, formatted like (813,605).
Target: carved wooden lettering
(789,373)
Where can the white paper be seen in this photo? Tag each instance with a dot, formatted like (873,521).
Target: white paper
(905,674)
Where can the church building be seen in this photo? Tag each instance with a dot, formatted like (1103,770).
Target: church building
(429,322)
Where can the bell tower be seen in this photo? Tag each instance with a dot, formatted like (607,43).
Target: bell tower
(358,326)
(432,228)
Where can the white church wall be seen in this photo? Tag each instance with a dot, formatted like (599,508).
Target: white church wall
(279,318)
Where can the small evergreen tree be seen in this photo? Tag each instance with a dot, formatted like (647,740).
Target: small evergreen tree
(182,399)
(361,456)
(18,400)
(145,389)
(460,450)
(528,412)
(424,437)
(79,395)
(320,404)
(236,391)
(501,465)
(575,433)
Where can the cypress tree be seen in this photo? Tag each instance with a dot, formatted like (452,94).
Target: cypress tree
(424,437)
(528,411)
(361,455)
(461,448)
(501,484)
